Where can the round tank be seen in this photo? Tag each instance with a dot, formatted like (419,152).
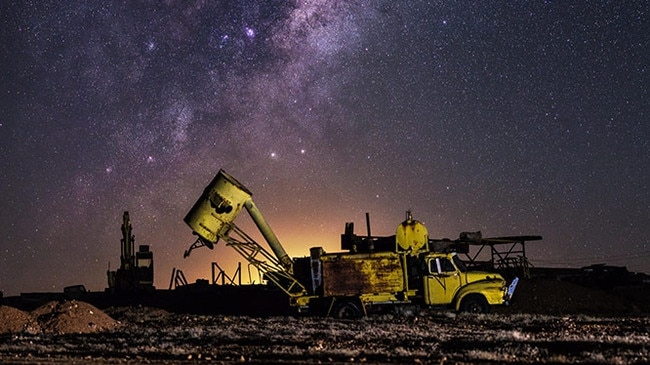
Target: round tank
(218,206)
(412,235)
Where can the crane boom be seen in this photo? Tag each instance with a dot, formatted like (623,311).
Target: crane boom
(268,234)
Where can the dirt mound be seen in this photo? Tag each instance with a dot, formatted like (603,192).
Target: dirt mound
(57,318)
(13,320)
(545,296)
(72,317)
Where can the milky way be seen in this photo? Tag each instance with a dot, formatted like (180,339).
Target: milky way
(522,118)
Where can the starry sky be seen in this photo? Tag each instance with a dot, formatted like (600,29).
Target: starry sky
(526,117)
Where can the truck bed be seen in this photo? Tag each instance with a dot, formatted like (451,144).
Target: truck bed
(346,274)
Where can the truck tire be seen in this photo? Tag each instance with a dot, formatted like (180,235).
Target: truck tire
(346,309)
(474,303)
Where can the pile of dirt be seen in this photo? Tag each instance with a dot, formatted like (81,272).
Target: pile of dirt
(546,296)
(13,320)
(56,318)
(72,317)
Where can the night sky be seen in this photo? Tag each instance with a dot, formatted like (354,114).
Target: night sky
(507,117)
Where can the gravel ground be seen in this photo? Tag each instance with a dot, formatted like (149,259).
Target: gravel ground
(547,322)
(147,335)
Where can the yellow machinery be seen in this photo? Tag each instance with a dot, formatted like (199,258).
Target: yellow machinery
(373,273)
(212,218)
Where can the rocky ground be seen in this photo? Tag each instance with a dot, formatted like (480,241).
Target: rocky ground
(550,323)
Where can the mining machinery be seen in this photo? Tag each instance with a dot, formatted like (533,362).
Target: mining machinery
(135,273)
(370,274)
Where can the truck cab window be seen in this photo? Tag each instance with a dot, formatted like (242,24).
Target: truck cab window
(446,265)
(434,266)
(459,264)
(441,265)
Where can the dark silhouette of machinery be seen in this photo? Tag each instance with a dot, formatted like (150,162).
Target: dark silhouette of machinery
(136,268)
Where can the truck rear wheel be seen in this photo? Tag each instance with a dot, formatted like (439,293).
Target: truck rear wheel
(346,309)
(474,303)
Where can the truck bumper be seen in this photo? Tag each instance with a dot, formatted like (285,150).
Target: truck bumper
(511,290)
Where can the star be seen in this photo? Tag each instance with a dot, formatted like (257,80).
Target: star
(322,110)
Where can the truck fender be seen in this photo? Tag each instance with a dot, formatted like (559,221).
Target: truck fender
(478,288)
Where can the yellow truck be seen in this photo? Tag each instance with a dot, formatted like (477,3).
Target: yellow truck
(356,284)
(370,274)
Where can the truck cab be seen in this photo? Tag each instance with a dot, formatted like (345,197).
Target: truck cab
(448,282)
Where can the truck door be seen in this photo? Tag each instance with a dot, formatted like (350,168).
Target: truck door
(442,281)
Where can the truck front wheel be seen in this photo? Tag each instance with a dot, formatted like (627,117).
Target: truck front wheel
(474,303)
(346,309)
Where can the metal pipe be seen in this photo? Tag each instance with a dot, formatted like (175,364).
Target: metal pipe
(268,234)
(371,244)
(368,224)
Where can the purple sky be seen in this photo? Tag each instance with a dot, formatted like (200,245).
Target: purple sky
(505,117)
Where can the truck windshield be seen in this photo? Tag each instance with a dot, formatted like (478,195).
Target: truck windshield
(459,264)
